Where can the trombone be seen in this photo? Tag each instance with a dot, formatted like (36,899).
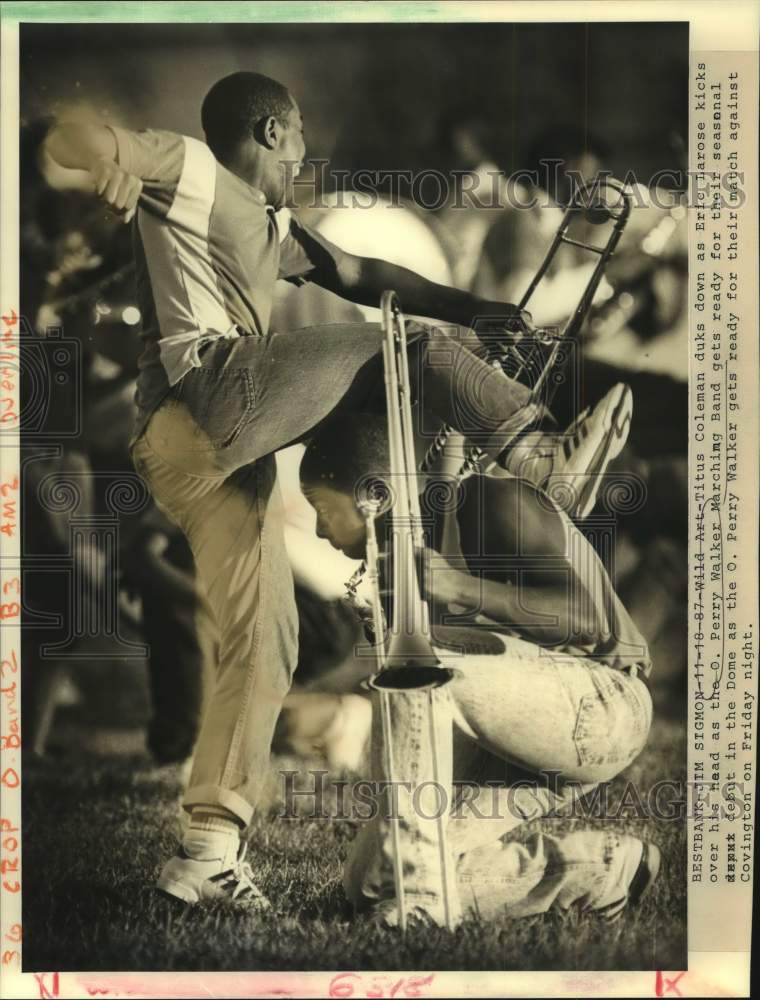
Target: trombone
(405,657)
(409,662)
(604,200)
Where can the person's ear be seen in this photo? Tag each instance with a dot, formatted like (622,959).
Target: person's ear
(267,132)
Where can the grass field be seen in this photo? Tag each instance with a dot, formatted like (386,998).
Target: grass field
(96,831)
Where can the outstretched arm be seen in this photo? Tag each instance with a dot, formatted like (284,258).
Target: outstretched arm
(93,148)
(364,279)
(527,581)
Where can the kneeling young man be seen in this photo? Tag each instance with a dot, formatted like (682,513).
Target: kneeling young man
(552,684)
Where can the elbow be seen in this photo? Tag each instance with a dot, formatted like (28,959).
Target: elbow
(351,272)
(63,144)
(55,144)
(345,277)
(77,146)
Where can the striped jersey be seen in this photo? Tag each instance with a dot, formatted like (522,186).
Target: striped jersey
(208,250)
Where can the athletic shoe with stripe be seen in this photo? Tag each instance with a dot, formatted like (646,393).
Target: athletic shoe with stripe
(193,881)
(591,442)
(643,879)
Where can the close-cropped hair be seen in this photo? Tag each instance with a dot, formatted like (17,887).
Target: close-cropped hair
(234,106)
(347,451)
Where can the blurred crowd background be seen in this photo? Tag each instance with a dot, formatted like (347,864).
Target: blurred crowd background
(118,642)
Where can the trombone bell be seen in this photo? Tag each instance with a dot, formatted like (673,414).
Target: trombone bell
(411,677)
(411,663)
(408,662)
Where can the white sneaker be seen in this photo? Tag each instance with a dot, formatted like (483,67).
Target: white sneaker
(639,875)
(194,881)
(594,438)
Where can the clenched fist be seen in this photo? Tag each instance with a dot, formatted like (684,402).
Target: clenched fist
(118,189)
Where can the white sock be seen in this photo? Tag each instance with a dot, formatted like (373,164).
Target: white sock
(212,835)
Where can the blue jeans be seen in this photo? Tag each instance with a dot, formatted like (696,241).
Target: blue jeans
(252,396)
(573,717)
(207,457)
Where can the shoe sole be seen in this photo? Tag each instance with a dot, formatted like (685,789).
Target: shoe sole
(180,895)
(177,892)
(646,873)
(180,892)
(613,443)
(641,884)
(170,898)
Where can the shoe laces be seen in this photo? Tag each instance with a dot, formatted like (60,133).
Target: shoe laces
(238,882)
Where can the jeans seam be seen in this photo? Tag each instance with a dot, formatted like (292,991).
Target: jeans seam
(556,867)
(605,693)
(250,407)
(182,393)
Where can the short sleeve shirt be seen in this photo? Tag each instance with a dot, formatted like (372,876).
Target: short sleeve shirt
(208,252)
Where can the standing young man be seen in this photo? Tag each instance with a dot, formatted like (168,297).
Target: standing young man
(218,394)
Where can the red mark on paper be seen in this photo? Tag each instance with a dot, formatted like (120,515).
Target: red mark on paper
(8,526)
(48,984)
(351,984)
(663,986)
(14,933)
(10,849)
(11,664)
(10,739)
(359,986)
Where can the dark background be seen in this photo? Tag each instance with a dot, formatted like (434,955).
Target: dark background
(380,96)
(99,813)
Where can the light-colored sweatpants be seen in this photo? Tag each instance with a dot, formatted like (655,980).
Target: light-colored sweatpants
(234,524)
